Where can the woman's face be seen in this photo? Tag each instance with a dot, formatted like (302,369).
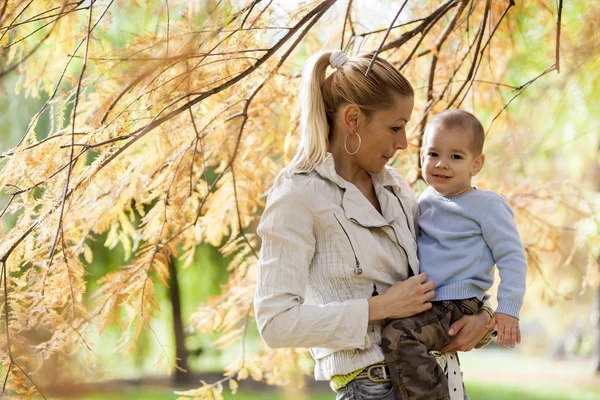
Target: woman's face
(382,134)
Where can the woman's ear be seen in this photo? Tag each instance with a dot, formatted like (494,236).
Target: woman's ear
(351,114)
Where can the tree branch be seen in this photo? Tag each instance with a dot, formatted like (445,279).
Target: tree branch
(385,37)
(434,16)
(558,28)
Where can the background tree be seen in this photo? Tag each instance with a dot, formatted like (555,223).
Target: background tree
(165,134)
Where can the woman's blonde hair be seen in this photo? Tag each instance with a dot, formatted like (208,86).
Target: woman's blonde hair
(320,99)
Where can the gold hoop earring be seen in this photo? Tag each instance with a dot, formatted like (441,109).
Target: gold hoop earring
(346,143)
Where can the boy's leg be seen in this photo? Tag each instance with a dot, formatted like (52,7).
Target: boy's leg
(406,342)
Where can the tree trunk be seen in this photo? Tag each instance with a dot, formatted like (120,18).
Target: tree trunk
(181,351)
(597,344)
(596,176)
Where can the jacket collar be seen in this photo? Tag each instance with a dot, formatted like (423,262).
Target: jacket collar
(355,204)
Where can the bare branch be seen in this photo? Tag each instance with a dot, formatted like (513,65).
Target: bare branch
(60,15)
(31,52)
(520,90)
(385,37)
(488,41)
(434,16)
(438,45)
(39,113)
(471,74)
(346,18)
(12,23)
(558,28)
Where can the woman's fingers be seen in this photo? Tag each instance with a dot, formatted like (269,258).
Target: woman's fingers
(421,278)
(467,332)
(429,295)
(410,297)
(429,285)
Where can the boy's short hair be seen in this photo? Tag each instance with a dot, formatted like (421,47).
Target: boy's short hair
(459,119)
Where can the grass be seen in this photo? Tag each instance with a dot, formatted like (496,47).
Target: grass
(490,375)
(476,392)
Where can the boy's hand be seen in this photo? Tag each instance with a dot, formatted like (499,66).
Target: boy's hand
(508,329)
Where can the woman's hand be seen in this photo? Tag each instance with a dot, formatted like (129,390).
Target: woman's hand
(404,299)
(467,332)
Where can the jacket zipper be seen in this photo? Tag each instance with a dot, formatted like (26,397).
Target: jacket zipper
(357,269)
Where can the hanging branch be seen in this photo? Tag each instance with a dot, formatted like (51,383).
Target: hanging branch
(137,97)
(493,31)
(59,230)
(4,279)
(470,74)
(434,16)
(434,60)
(423,36)
(6,71)
(558,28)
(36,117)
(385,37)
(347,18)
(12,23)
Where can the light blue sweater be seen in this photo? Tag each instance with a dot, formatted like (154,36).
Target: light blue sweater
(460,240)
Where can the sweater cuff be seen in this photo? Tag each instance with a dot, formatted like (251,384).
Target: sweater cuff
(360,325)
(509,307)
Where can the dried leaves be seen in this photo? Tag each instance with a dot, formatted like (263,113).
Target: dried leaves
(183,119)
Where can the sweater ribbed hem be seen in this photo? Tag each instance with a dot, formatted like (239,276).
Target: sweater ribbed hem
(346,361)
(509,307)
(458,291)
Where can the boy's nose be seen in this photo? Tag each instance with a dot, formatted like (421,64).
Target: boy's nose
(441,164)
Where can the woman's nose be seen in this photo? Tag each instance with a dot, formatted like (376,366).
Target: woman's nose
(401,143)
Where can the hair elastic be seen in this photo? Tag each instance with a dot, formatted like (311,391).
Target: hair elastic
(337,59)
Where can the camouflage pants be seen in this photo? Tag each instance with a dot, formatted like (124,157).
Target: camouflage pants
(406,343)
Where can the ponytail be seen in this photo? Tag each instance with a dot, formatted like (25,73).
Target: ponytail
(314,128)
(320,99)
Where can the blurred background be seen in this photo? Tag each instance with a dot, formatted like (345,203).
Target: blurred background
(546,143)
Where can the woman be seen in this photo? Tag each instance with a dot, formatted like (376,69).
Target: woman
(339,254)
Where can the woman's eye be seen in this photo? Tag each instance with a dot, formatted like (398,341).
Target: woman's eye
(397,128)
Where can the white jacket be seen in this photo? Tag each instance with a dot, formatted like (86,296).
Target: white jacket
(314,230)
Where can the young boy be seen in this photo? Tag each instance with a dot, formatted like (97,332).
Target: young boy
(464,231)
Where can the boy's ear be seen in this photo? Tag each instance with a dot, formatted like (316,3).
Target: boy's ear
(477,164)
(422,155)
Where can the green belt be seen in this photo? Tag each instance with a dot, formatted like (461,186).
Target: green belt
(338,382)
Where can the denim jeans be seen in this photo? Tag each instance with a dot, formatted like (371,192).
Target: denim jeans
(364,389)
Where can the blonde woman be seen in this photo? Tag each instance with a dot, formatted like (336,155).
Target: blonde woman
(339,252)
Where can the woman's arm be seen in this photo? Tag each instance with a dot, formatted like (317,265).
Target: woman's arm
(288,246)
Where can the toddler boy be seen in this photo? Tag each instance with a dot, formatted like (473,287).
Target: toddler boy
(464,232)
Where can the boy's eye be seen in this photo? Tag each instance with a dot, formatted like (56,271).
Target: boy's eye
(432,154)
(456,157)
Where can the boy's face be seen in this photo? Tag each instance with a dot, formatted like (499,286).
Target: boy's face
(449,161)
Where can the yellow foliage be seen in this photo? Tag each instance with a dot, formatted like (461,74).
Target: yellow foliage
(177,137)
